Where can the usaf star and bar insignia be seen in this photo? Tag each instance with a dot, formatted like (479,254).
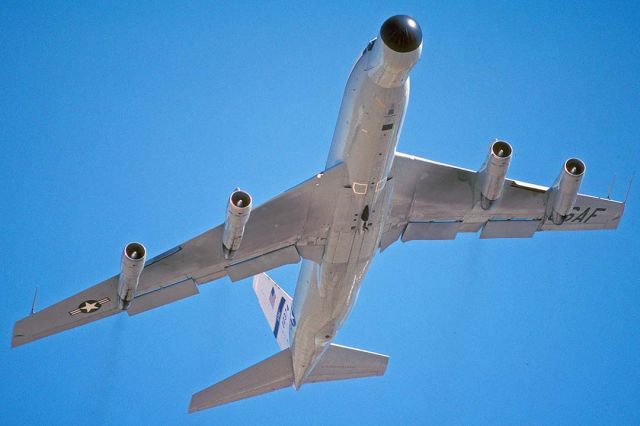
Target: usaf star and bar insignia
(89,306)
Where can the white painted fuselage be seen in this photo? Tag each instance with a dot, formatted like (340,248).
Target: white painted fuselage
(365,139)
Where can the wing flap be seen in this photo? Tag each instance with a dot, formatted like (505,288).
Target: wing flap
(270,240)
(162,296)
(510,228)
(251,267)
(431,231)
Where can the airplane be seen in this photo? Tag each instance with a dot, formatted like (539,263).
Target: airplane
(368,197)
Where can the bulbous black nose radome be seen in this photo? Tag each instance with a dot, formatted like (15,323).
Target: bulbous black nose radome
(401,33)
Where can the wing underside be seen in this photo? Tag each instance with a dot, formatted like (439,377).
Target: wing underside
(435,201)
(281,231)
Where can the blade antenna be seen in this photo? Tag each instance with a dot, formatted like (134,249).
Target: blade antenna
(33,304)
(629,187)
(613,182)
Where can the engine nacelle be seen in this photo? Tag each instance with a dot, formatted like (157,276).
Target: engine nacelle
(564,191)
(493,172)
(131,265)
(238,211)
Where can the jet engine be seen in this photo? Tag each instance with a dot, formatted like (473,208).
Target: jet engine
(493,172)
(564,191)
(238,211)
(131,265)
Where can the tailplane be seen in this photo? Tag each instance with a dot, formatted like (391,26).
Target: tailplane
(276,372)
(276,305)
(271,374)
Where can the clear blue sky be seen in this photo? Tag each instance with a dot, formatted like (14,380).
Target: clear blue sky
(134,122)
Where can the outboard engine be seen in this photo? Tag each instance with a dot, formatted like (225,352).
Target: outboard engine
(493,172)
(563,193)
(131,265)
(238,211)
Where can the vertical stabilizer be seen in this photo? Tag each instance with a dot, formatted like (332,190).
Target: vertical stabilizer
(276,306)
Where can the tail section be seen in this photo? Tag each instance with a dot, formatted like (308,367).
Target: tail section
(271,374)
(342,362)
(276,372)
(276,305)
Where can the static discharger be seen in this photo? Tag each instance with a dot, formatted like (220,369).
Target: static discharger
(33,304)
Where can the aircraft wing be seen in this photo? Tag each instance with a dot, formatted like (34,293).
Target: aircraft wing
(435,201)
(281,231)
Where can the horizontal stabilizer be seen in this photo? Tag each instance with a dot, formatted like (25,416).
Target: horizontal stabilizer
(276,372)
(271,374)
(163,295)
(342,362)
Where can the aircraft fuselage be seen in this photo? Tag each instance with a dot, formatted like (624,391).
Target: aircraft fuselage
(365,139)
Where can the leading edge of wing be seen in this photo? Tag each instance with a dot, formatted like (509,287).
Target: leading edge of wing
(437,201)
(512,182)
(280,231)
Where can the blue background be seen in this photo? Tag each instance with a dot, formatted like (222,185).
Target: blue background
(134,122)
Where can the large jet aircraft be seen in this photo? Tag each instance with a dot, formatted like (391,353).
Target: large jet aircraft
(368,197)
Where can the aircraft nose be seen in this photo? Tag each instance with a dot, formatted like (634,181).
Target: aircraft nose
(401,33)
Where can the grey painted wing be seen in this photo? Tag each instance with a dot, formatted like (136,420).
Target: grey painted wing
(89,305)
(435,201)
(292,225)
(280,231)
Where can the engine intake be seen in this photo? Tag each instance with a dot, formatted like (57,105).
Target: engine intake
(564,191)
(493,172)
(131,265)
(238,211)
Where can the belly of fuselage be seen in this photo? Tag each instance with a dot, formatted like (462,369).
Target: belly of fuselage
(365,139)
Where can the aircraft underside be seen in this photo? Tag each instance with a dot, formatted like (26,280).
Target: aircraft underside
(368,197)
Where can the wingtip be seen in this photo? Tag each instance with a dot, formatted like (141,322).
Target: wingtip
(194,406)
(17,339)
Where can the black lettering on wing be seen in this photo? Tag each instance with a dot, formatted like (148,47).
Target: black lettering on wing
(582,215)
(570,216)
(596,210)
